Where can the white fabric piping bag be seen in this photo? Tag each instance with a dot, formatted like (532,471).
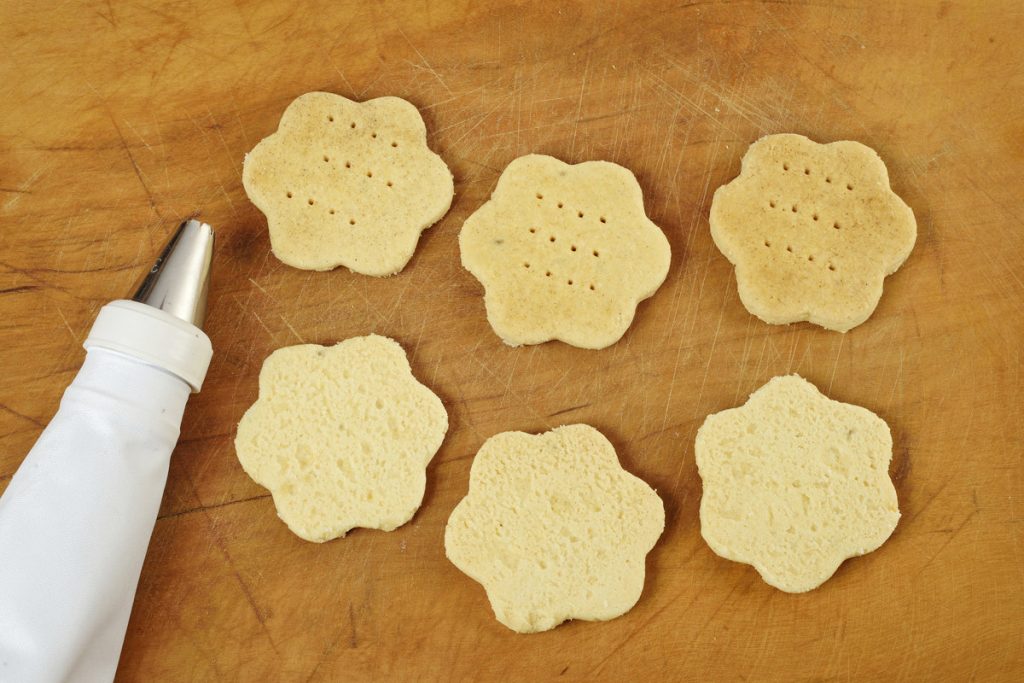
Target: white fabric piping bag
(77,516)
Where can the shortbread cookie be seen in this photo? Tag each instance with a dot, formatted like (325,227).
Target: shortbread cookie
(344,183)
(795,483)
(564,252)
(341,436)
(554,528)
(812,230)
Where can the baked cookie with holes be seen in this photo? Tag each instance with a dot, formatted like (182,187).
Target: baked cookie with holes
(813,230)
(346,183)
(564,252)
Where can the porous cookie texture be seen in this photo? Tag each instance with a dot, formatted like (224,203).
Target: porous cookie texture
(812,230)
(795,483)
(554,528)
(564,252)
(344,183)
(341,436)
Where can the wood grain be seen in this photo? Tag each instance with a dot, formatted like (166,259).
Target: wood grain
(121,119)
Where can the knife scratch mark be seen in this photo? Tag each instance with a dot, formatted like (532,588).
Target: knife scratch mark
(835,363)
(395,307)
(135,167)
(341,73)
(570,409)
(289,326)
(330,648)
(234,209)
(74,337)
(430,68)
(246,591)
(952,535)
(747,346)
(896,382)
(218,127)
(12,411)
(212,532)
(22,189)
(263,325)
(511,374)
(17,289)
(579,106)
(138,135)
(204,508)
(437,365)
(368,86)
(528,404)
(636,631)
(483,117)
(419,337)
(370,308)
(711,355)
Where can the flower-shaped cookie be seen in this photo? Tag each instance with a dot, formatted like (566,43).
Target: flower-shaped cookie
(795,483)
(341,436)
(554,528)
(812,230)
(347,183)
(564,252)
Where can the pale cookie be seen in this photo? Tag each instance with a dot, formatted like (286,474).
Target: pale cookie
(564,252)
(554,528)
(795,483)
(812,230)
(344,183)
(341,436)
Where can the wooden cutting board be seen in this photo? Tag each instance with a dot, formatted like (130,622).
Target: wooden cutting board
(118,120)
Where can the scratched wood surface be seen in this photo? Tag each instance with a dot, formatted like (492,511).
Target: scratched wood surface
(118,120)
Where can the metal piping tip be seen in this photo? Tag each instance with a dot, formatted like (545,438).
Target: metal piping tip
(179,281)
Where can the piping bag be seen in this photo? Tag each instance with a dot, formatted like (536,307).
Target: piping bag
(77,516)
